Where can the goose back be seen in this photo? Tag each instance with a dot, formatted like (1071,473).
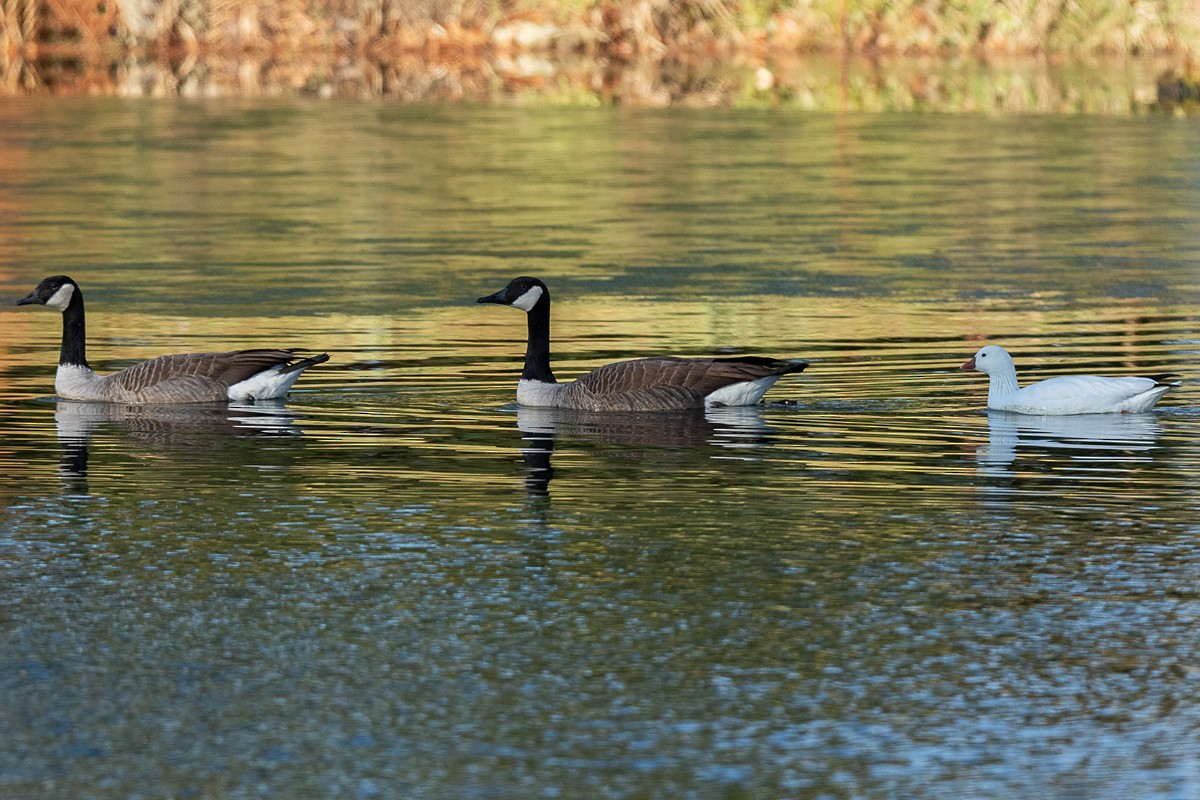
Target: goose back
(1084,394)
(662,383)
(189,378)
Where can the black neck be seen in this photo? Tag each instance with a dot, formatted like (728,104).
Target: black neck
(74,349)
(537,350)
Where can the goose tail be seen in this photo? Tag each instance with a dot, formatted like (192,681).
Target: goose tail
(1165,379)
(304,363)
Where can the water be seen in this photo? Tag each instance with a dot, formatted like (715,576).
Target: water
(400,584)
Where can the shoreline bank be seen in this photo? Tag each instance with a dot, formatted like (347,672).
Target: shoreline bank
(651,53)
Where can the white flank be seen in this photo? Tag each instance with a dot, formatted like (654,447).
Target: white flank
(538,393)
(62,298)
(528,300)
(269,384)
(746,393)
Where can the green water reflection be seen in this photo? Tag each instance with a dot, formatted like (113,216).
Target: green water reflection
(400,584)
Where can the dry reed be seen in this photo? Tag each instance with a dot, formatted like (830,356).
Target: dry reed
(463,48)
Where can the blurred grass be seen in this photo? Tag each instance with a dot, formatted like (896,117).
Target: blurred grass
(468,48)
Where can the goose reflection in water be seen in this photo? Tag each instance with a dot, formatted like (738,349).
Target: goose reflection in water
(634,435)
(178,427)
(1083,438)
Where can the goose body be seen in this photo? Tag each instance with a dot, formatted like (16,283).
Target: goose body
(1068,394)
(240,375)
(659,383)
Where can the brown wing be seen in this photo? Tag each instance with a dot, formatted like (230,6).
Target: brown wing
(193,372)
(666,382)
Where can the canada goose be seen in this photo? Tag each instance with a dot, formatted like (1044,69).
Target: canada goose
(660,383)
(242,375)
(1068,394)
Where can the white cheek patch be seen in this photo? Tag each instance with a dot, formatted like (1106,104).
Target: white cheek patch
(528,300)
(62,298)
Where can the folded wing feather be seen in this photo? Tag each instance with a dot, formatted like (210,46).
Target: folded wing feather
(669,383)
(194,376)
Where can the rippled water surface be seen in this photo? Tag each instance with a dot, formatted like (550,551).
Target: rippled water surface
(400,584)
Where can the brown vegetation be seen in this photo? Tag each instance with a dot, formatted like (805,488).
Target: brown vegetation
(635,51)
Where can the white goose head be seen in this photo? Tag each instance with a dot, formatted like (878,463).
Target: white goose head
(54,292)
(523,293)
(993,360)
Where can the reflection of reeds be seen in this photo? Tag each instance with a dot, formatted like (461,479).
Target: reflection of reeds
(652,52)
(1178,89)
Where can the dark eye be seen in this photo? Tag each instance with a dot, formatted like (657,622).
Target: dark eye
(983,355)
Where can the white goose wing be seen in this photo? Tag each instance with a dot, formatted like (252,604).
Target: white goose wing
(1089,394)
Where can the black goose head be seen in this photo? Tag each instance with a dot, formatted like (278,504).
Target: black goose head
(523,293)
(55,292)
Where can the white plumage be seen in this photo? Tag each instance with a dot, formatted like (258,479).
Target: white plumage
(1068,394)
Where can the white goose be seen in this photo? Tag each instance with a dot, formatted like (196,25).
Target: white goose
(1068,394)
(660,383)
(242,375)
